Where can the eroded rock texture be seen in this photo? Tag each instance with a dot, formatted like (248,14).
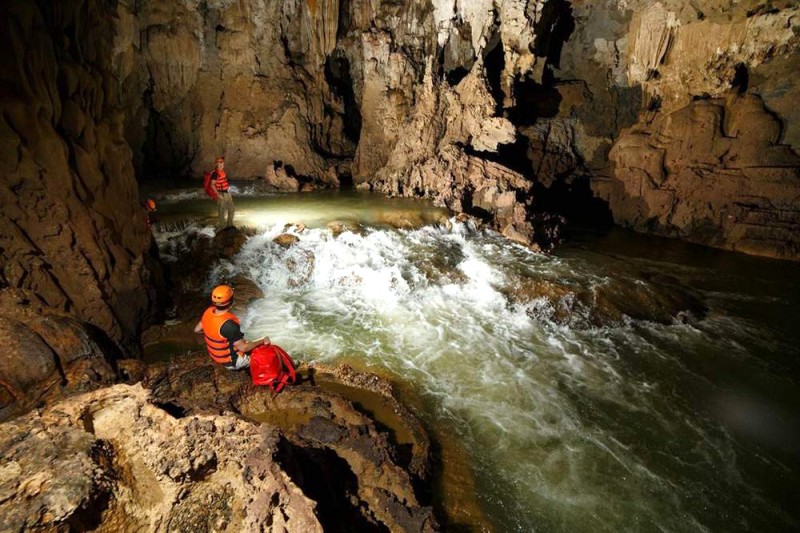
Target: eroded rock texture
(72,232)
(112,459)
(713,156)
(391,94)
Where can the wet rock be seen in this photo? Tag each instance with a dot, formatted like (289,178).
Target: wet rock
(245,291)
(338,227)
(324,433)
(112,459)
(228,241)
(286,240)
(401,219)
(301,267)
(607,303)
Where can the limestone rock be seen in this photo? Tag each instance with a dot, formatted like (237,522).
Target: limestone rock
(49,354)
(113,459)
(285,239)
(330,449)
(713,172)
(71,227)
(280,180)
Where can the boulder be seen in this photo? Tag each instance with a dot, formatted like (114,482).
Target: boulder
(114,459)
(286,240)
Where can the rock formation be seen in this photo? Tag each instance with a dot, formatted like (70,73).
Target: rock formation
(113,459)
(177,458)
(713,172)
(380,91)
(73,235)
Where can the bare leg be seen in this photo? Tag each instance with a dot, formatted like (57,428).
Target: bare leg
(231,210)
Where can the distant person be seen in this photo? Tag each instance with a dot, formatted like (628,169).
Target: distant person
(224,339)
(219,183)
(150,207)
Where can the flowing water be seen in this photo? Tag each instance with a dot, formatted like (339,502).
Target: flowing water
(624,383)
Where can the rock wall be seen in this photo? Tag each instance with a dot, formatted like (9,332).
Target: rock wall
(325,90)
(713,156)
(73,238)
(246,80)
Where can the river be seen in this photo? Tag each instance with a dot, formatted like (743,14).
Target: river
(623,383)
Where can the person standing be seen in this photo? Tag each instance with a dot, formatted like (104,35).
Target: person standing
(224,338)
(219,181)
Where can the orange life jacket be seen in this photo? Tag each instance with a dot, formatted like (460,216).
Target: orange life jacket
(219,348)
(221,183)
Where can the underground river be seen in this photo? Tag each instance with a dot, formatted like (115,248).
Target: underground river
(625,382)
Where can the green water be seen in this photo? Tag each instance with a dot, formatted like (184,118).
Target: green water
(576,411)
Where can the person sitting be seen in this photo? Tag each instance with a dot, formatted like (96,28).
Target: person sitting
(224,339)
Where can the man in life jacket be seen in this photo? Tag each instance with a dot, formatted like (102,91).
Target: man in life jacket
(150,207)
(224,339)
(219,181)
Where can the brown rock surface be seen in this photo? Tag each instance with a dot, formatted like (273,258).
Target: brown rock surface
(48,354)
(71,228)
(713,172)
(113,459)
(332,449)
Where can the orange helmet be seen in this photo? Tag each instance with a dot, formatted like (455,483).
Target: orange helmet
(220,159)
(222,295)
(151,204)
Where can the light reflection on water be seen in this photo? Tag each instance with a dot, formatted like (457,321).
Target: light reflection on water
(571,424)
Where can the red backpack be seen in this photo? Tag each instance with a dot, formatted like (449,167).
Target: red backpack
(270,365)
(208,187)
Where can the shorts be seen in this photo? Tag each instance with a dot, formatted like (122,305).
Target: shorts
(243,361)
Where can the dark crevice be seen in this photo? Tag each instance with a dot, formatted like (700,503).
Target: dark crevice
(338,76)
(572,198)
(327,479)
(512,155)
(110,350)
(553,30)
(494,62)
(345,180)
(172,409)
(344,20)
(741,78)
(533,100)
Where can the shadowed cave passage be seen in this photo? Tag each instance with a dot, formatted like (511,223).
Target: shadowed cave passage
(337,74)
(327,479)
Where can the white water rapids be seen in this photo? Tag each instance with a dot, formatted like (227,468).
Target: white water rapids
(570,424)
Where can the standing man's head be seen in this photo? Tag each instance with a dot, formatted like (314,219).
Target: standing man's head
(220,162)
(222,297)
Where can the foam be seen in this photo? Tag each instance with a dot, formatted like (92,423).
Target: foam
(546,407)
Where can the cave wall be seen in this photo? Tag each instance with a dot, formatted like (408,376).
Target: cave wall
(73,238)
(383,90)
(246,80)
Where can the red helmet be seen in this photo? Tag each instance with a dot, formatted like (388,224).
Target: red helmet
(222,295)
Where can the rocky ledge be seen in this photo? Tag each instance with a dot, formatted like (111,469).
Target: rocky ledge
(195,447)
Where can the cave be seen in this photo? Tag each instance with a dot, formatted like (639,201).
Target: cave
(337,74)
(504,240)
(327,478)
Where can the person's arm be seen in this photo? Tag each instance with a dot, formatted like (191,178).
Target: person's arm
(245,346)
(231,331)
(199,327)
